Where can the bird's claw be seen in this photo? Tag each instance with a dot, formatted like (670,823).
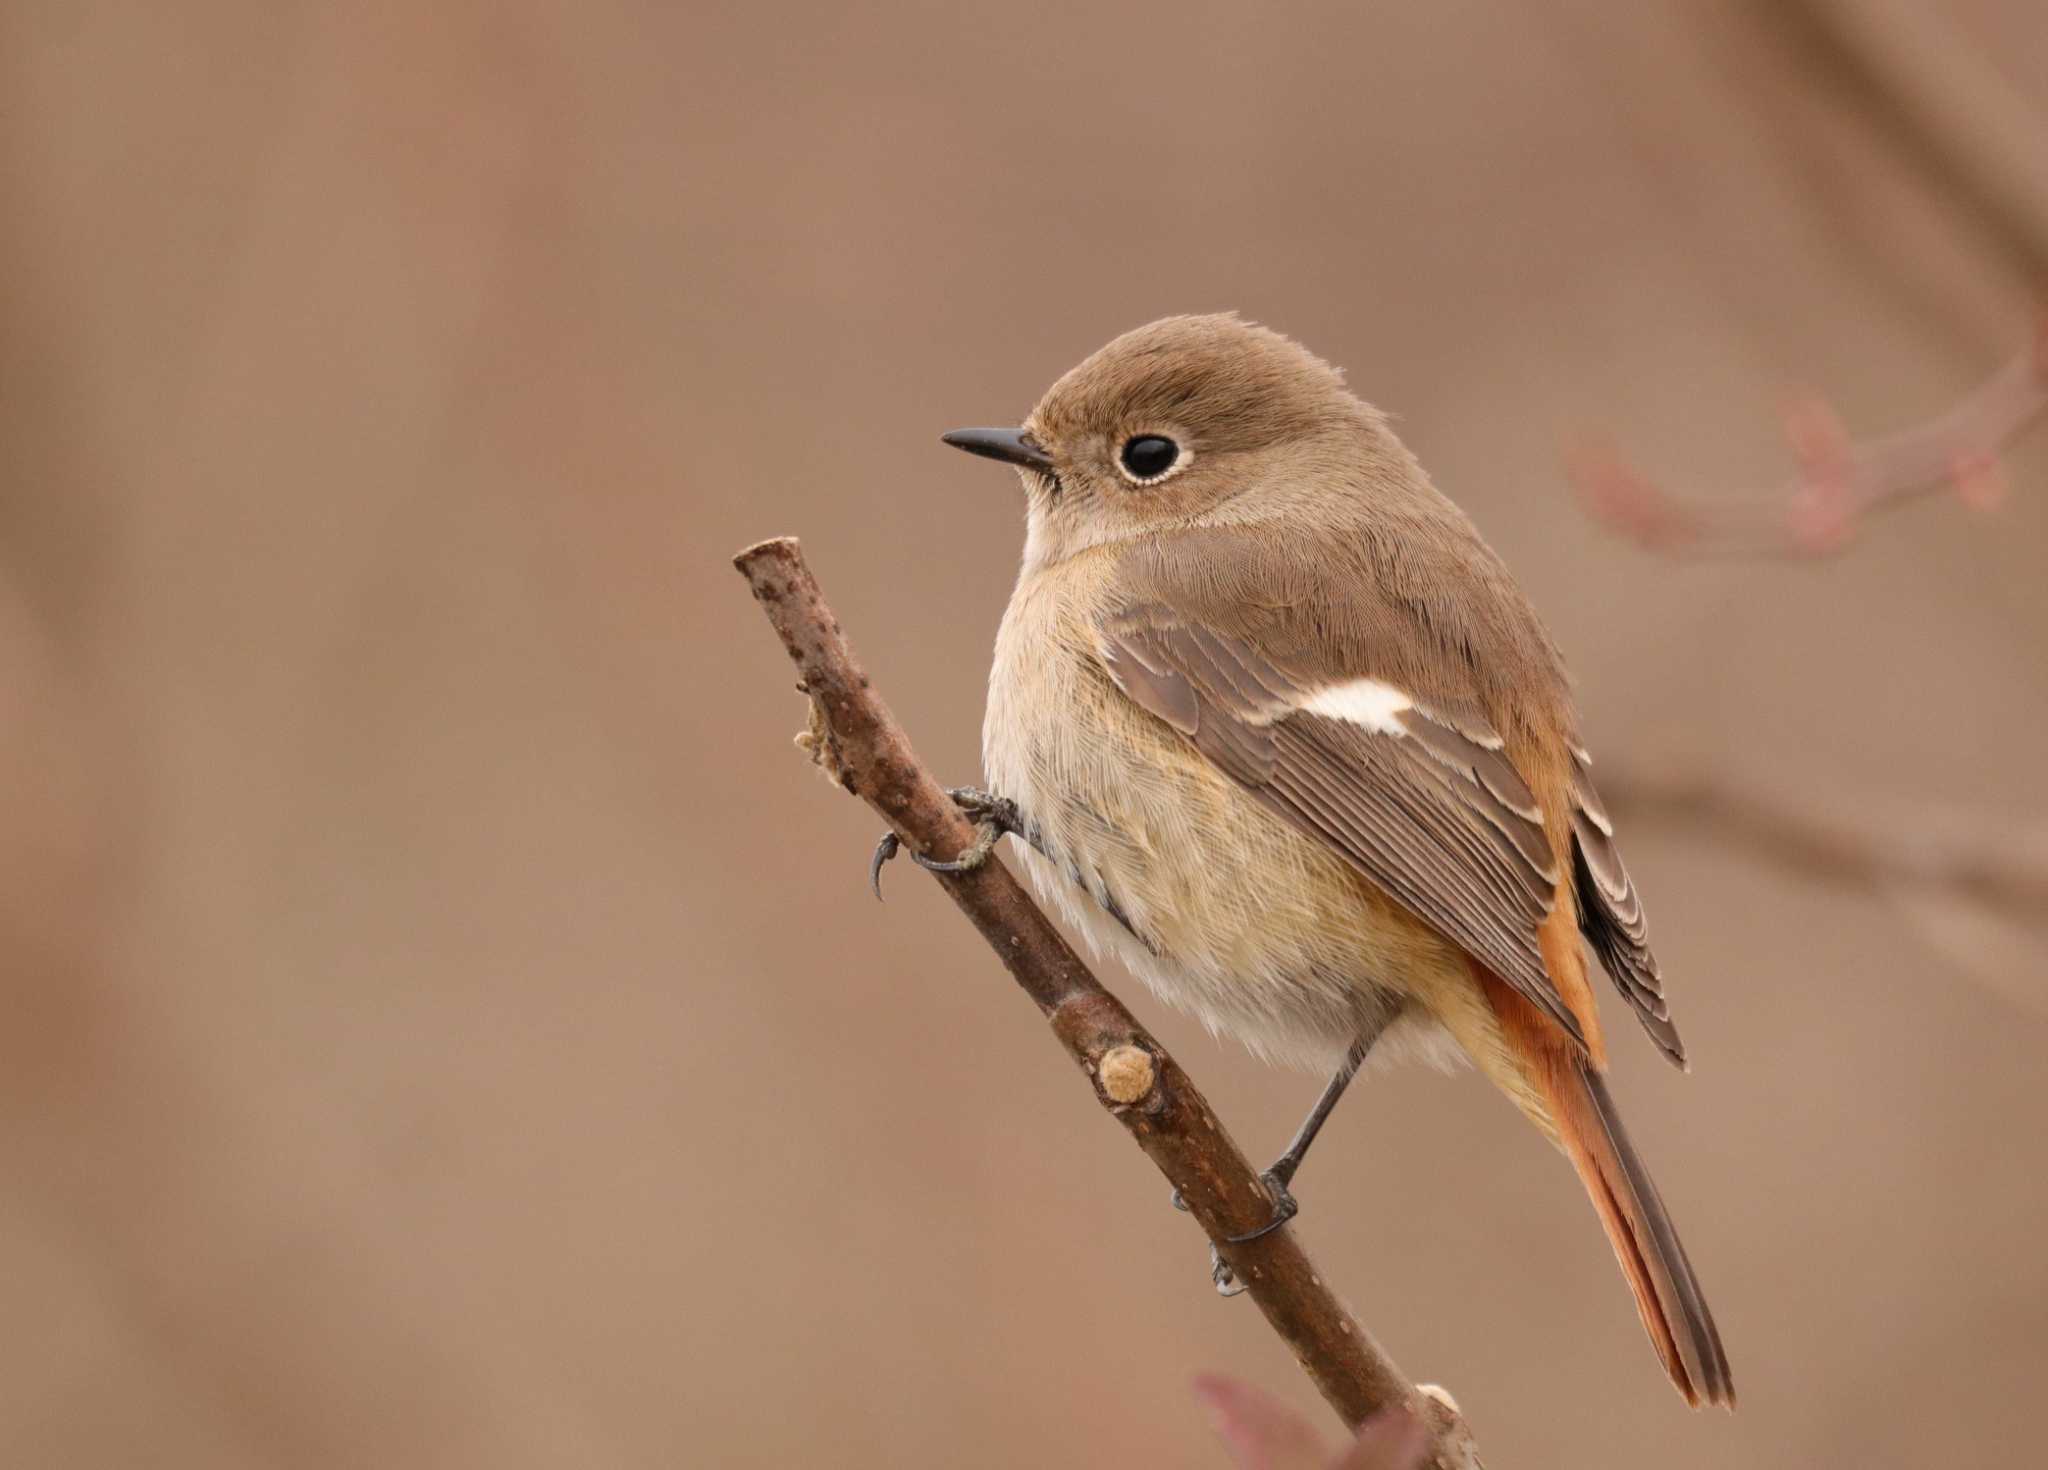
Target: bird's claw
(995,818)
(884,851)
(1285,1208)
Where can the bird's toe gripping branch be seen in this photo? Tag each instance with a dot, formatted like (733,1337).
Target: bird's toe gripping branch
(996,817)
(1285,1208)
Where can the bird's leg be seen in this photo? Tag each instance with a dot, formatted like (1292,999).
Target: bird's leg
(995,816)
(1289,1163)
(1284,1168)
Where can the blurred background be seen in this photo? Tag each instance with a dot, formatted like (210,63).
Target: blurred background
(446,1023)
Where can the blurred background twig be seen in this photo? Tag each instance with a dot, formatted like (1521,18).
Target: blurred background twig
(1841,482)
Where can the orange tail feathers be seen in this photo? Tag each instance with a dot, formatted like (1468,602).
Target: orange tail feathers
(1667,1293)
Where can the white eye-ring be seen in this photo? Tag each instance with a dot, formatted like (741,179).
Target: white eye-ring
(1146,459)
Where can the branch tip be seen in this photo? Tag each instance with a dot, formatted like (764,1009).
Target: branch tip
(782,547)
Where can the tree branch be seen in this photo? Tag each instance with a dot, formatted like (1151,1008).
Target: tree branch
(1964,880)
(1840,482)
(858,743)
(1972,135)
(1999,863)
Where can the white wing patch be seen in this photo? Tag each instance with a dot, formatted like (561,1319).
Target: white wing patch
(1365,702)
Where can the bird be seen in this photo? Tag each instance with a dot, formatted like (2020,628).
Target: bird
(1281,732)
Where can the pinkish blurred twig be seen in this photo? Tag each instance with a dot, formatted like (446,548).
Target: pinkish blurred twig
(1264,1434)
(1840,482)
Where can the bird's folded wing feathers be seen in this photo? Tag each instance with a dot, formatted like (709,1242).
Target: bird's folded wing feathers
(1424,804)
(1612,916)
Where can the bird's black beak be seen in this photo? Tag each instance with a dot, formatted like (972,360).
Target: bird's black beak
(1011,446)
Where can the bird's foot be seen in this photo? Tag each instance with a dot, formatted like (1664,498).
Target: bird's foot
(1225,1279)
(995,818)
(1285,1208)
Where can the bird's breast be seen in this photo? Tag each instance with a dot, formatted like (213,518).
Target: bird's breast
(1214,901)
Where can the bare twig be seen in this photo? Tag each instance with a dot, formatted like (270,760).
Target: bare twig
(1264,1434)
(2000,863)
(859,744)
(1970,134)
(1919,82)
(1969,883)
(2000,954)
(1840,482)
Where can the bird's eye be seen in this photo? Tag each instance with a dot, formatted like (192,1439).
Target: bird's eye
(1146,457)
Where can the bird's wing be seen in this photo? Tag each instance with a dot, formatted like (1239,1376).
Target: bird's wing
(1611,915)
(1424,803)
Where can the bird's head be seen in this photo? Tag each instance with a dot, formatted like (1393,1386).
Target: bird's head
(1187,420)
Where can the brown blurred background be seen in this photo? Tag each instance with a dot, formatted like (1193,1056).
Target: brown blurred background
(445,1021)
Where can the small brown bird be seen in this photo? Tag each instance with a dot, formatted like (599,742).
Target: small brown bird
(1284,735)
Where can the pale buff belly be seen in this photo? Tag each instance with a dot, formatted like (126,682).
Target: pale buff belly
(1219,905)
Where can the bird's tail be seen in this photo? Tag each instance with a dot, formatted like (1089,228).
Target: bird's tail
(1589,1129)
(1668,1295)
